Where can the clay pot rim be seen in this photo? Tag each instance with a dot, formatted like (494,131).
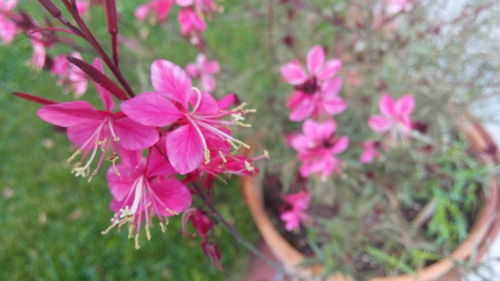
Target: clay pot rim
(485,227)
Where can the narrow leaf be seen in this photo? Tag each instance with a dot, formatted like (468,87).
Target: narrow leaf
(99,77)
(33,98)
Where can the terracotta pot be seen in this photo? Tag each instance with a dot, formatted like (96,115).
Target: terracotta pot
(485,228)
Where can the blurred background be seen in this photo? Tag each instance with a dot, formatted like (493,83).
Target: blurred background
(50,221)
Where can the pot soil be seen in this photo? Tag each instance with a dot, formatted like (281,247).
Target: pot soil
(484,229)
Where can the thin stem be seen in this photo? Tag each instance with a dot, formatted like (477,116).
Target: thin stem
(98,48)
(247,244)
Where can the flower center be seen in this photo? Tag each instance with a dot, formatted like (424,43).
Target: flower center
(310,87)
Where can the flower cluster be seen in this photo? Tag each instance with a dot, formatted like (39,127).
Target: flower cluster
(191,16)
(163,146)
(315,101)
(181,129)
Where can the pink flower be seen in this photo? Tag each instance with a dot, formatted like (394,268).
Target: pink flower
(295,215)
(69,74)
(315,93)
(396,6)
(159,8)
(39,51)
(202,6)
(144,189)
(82,7)
(8,28)
(395,116)
(191,23)
(199,129)
(370,152)
(317,148)
(204,69)
(94,131)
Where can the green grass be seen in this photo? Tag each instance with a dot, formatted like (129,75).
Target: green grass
(50,221)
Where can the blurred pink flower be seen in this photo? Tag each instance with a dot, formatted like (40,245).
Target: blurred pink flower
(159,8)
(199,129)
(82,7)
(317,92)
(39,51)
(8,28)
(370,152)
(395,116)
(204,69)
(191,23)
(70,75)
(295,214)
(396,6)
(317,148)
(144,189)
(94,131)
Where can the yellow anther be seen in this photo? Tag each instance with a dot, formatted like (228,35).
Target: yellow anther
(163,227)
(175,213)
(243,124)
(136,240)
(266,154)
(222,157)
(249,166)
(74,155)
(207,156)
(148,233)
(107,230)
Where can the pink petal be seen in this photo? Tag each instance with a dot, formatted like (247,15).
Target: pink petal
(79,86)
(300,142)
(151,109)
(313,165)
(171,80)
(341,145)
(331,87)
(119,184)
(205,103)
(315,59)
(405,105)
(172,197)
(39,52)
(69,114)
(190,22)
(211,67)
(83,134)
(8,5)
(330,69)
(60,65)
(380,123)
(8,31)
(134,136)
(208,83)
(295,99)
(185,149)
(162,8)
(82,7)
(293,73)
(319,131)
(104,95)
(184,3)
(291,219)
(227,101)
(142,12)
(387,106)
(158,164)
(302,110)
(334,105)
(193,70)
